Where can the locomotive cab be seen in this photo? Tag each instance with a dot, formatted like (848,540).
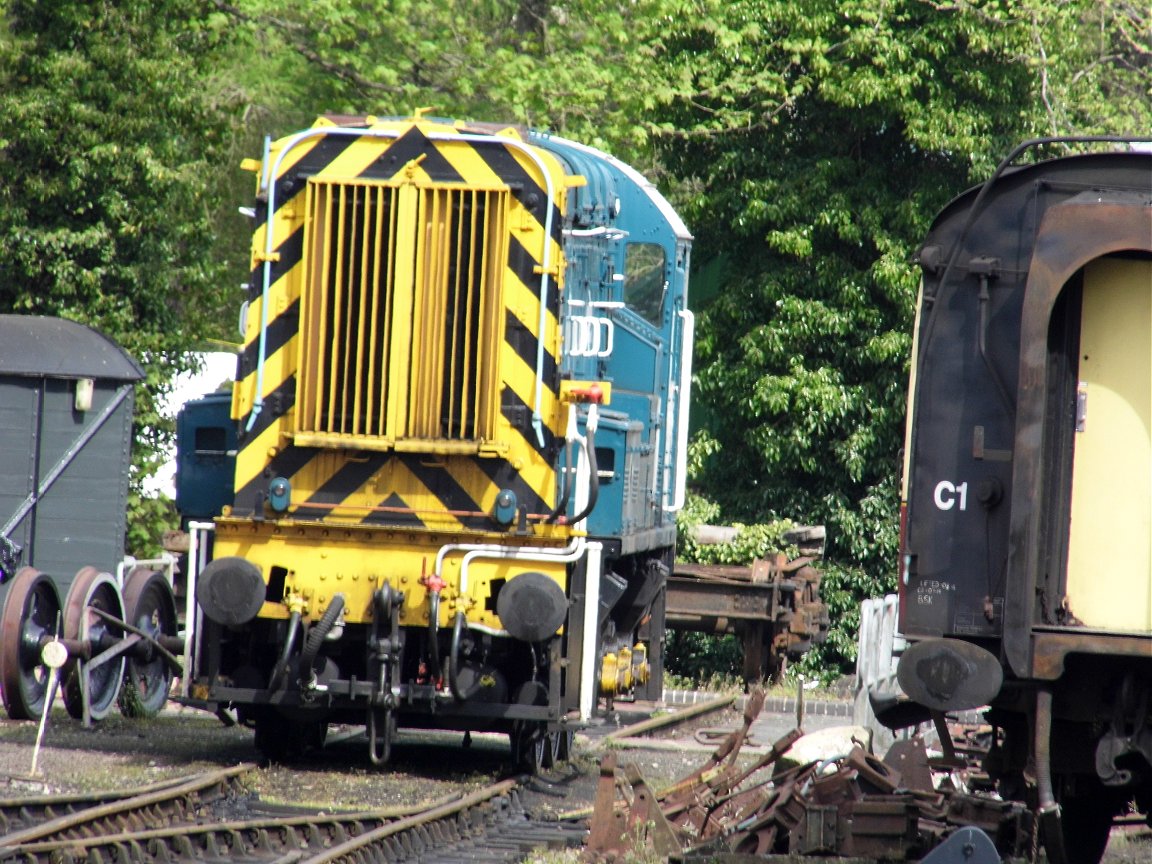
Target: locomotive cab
(460,416)
(1026,571)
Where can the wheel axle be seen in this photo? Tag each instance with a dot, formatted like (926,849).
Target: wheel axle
(109,637)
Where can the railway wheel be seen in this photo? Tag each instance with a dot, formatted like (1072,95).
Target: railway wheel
(92,590)
(1086,817)
(558,747)
(31,613)
(282,739)
(565,745)
(530,747)
(551,749)
(151,608)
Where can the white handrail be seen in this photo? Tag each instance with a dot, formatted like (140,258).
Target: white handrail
(191,610)
(589,675)
(686,344)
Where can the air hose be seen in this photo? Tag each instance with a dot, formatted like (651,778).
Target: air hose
(317,635)
(277,678)
(566,487)
(454,657)
(588,444)
(593,468)
(434,632)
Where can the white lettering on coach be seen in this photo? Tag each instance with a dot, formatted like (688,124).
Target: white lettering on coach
(947,493)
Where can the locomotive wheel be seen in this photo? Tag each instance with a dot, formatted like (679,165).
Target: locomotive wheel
(530,747)
(31,612)
(565,745)
(91,588)
(282,739)
(151,607)
(552,749)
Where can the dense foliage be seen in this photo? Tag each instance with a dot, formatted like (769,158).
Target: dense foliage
(110,137)
(807,142)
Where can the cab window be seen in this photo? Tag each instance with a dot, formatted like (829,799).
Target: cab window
(644,280)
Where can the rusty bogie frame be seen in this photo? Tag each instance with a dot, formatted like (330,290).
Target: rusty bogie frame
(773,606)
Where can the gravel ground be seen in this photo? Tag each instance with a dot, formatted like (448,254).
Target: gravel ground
(118,753)
(425,766)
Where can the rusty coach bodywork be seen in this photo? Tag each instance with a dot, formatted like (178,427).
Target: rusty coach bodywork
(1026,570)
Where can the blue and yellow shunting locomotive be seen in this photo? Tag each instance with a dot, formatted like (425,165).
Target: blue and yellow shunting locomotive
(460,421)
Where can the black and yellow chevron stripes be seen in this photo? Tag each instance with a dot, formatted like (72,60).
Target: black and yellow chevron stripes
(425,483)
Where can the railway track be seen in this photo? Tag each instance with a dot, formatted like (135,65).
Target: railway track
(215,815)
(26,812)
(721,807)
(178,821)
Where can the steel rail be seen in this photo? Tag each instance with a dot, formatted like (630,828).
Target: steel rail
(672,718)
(20,813)
(265,839)
(355,849)
(488,825)
(138,812)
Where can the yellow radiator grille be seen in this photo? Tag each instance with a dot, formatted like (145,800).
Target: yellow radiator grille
(401,316)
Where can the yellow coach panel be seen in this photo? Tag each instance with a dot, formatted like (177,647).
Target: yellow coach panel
(1110,537)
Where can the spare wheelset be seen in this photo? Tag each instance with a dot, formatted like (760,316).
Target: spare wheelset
(120,644)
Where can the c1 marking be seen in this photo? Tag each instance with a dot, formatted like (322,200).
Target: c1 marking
(946,494)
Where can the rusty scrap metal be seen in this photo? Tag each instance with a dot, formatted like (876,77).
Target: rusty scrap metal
(725,754)
(882,826)
(774,606)
(607,828)
(681,715)
(909,757)
(645,814)
(855,806)
(1008,823)
(816,832)
(882,777)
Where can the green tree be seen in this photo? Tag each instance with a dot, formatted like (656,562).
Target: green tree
(815,142)
(581,68)
(110,137)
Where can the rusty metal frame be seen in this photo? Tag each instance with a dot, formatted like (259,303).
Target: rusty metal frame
(852,805)
(774,606)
